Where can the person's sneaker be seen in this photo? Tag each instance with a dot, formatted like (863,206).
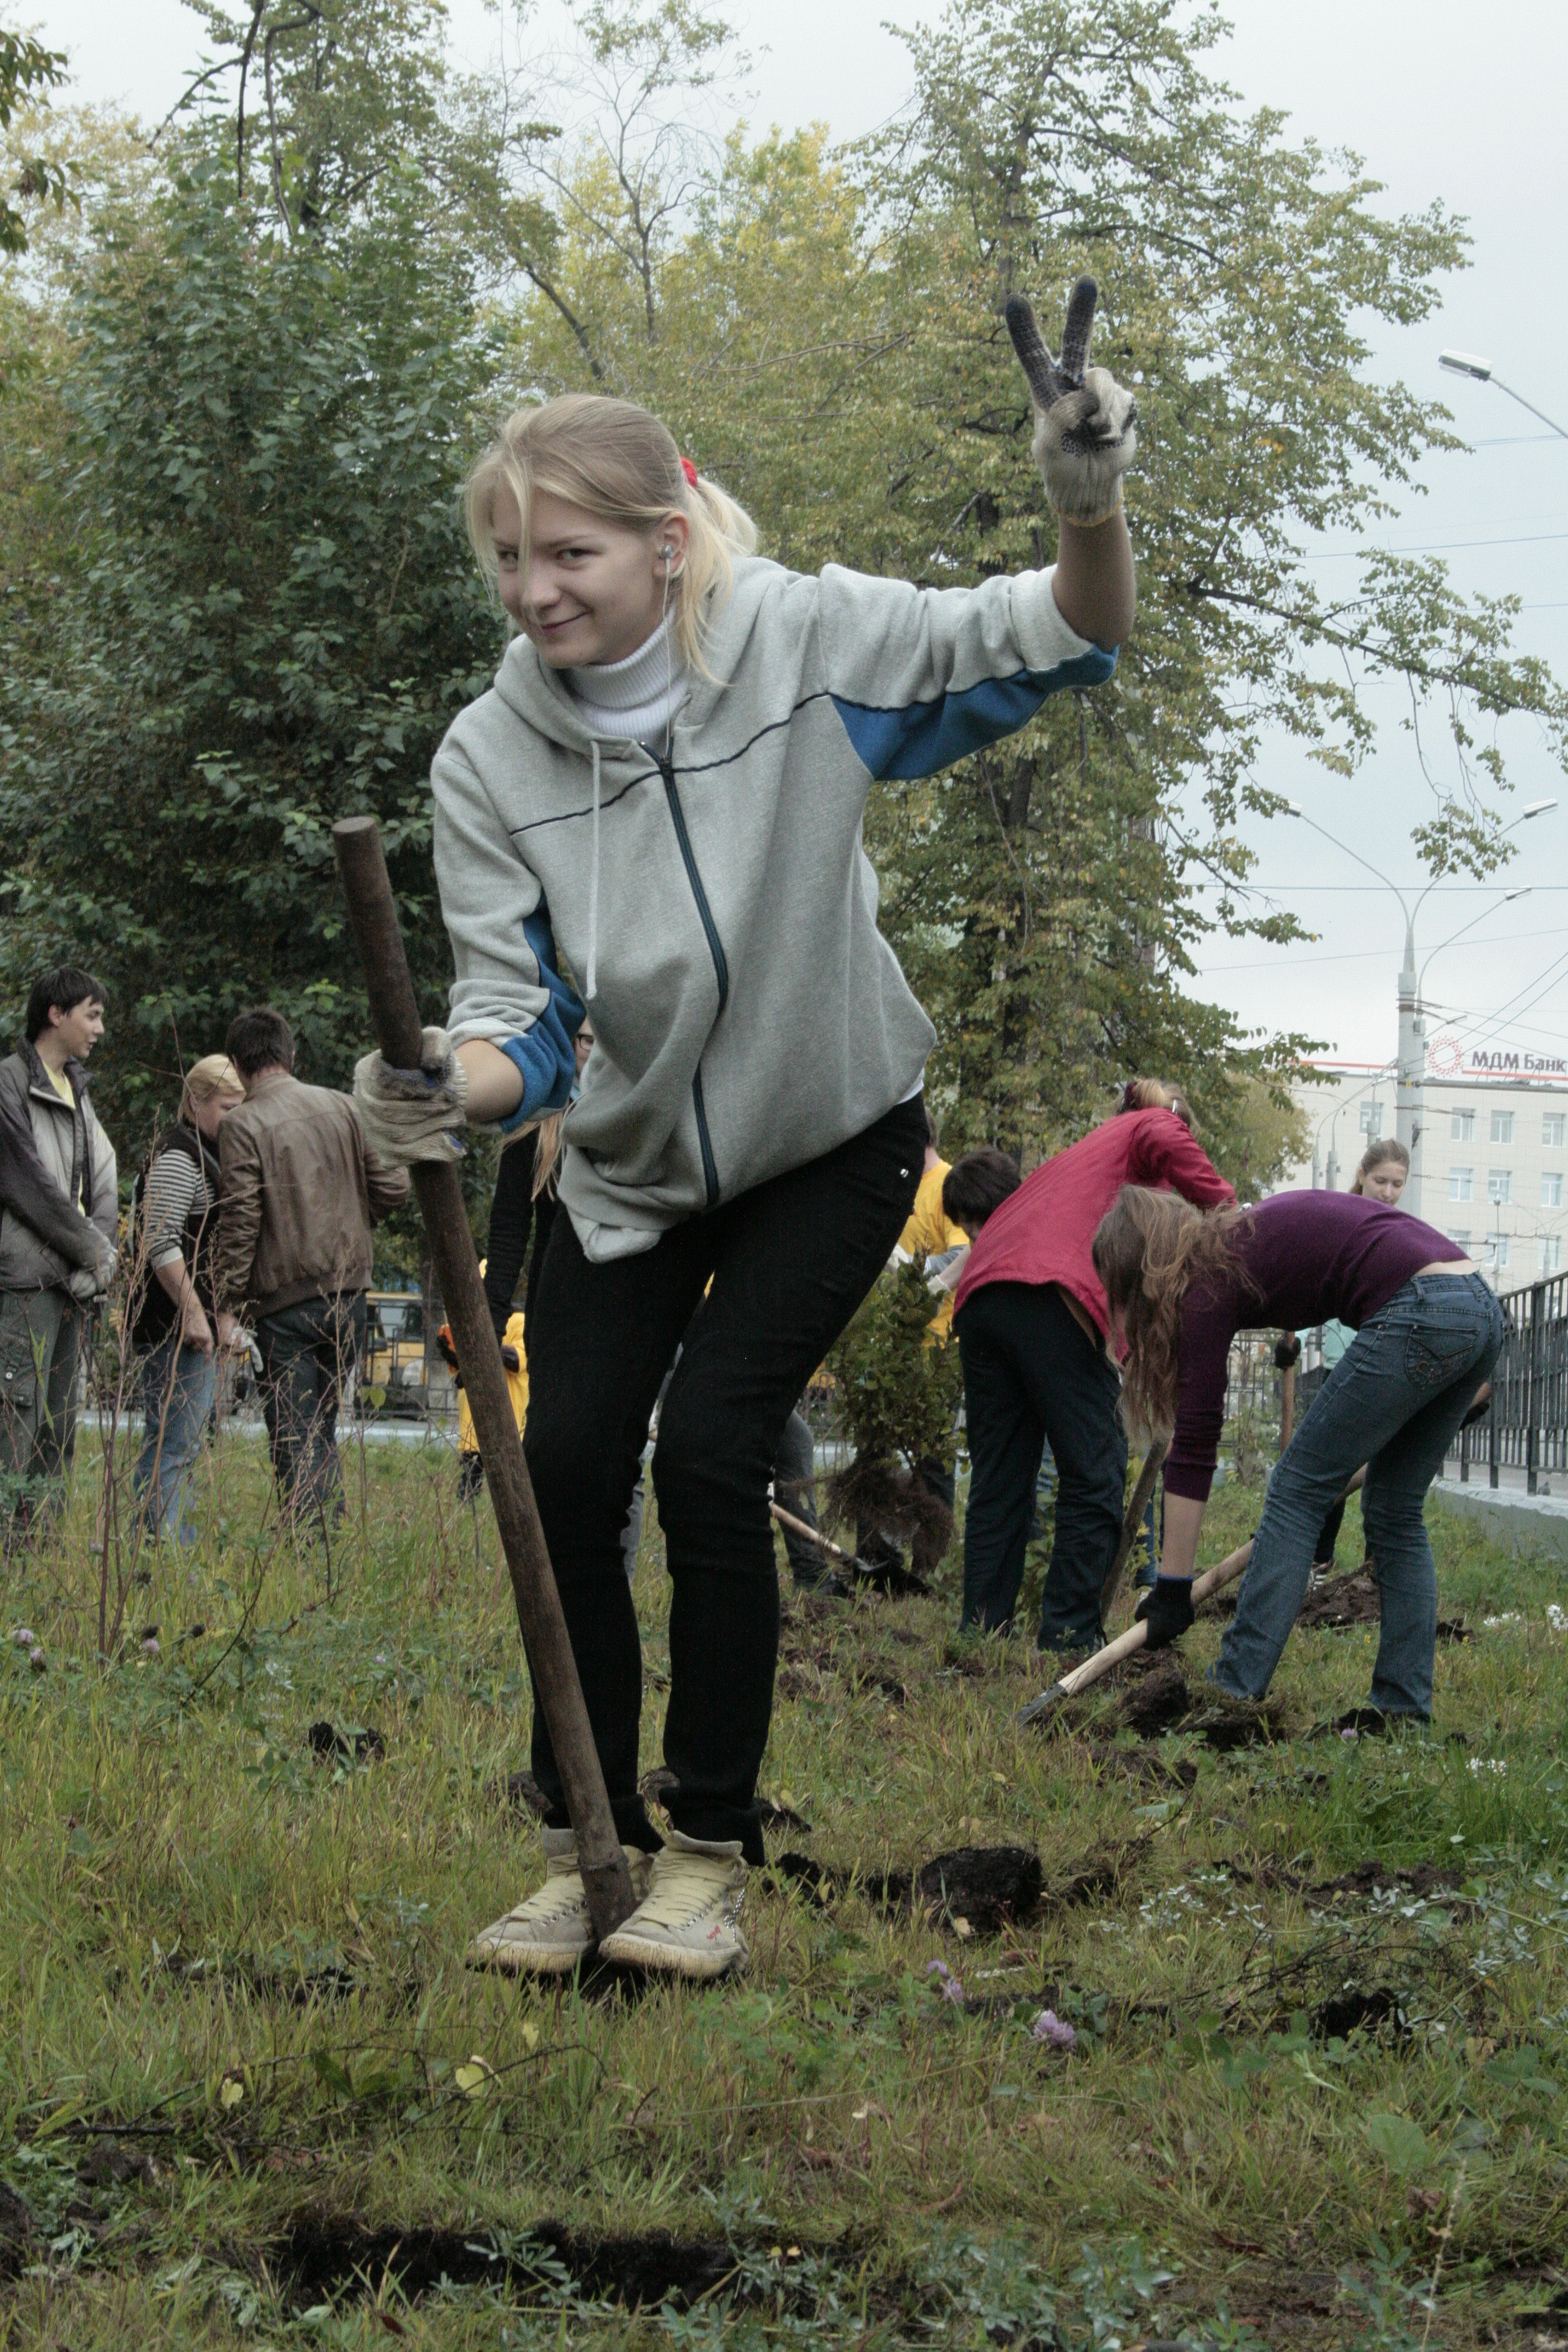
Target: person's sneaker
(686,1924)
(551,1933)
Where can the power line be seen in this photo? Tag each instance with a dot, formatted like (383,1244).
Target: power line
(1433,546)
(1368,955)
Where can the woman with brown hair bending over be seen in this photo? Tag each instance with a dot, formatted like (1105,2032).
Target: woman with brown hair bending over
(1032,1326)
(1427,1330)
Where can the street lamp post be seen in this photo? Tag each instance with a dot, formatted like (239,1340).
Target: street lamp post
(1482,372)
(1410,1068)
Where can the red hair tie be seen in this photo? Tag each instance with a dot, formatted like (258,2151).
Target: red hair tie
(690,471)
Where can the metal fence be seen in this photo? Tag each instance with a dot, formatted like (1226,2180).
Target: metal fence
(1527,1428)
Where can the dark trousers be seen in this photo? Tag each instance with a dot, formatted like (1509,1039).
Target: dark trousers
(308,1352)
(40,1342)
(1032,1374)
(790,1261)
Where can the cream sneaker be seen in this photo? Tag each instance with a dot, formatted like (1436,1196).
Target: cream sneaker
(549,1934)
(685,1925)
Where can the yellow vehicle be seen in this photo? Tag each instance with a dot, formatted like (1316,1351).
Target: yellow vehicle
(395,1376)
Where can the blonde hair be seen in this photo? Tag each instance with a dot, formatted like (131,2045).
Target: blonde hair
(214,1074)
(1154,1093)
(1149,1251)
(1378,1154)
(614,460)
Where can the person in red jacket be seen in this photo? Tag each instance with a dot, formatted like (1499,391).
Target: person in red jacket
(1032,1327)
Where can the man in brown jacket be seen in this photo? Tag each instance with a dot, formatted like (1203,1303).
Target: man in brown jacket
(298,1196)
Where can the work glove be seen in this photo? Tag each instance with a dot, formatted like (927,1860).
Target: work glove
(1085,436)
(412,1115)
(85,1285)
(1167,1610)
(1287,1352)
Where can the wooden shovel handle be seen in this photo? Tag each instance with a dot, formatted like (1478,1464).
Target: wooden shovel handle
(395,1013)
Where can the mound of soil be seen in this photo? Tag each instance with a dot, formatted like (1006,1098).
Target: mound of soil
(991,1886)
(1353,1599)
(322,2255)
(1155,1699)
(522,1792)
(110,2163)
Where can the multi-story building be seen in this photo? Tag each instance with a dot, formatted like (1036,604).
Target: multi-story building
(1491,1163)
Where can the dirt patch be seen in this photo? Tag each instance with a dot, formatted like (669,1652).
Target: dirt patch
(886,1686)
(520,1793)
(802,1678)
(358,1744)
(1424,1880)
(780,1817)
(16,2233)
(1352,2010)
(110,2163)
(323,2255)
(1133,1764)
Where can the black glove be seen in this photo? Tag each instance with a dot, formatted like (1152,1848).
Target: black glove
(449,1353)
(512,1360)
(1167,1610)
(1287,1352)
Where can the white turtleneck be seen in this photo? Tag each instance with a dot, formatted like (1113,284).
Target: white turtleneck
(633,701)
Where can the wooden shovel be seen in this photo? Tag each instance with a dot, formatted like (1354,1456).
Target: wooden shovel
(395,1015)
(1210,1581)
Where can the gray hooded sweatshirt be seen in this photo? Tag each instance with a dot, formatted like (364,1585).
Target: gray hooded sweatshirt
(714,899)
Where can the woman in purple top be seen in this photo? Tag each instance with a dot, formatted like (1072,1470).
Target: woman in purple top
(1427,1330)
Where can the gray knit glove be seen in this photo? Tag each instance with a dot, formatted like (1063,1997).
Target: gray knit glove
(412,1115)
(1085,436)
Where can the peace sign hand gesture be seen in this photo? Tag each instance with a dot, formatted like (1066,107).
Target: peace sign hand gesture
(1085,423)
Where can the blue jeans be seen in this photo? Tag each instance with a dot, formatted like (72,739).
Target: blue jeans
(177,1391)
(1393,1400)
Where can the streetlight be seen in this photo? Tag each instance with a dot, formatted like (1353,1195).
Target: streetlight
(1506,900)
(1482,371)
(1412,1063)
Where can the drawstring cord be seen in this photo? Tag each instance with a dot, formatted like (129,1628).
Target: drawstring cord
(594,888)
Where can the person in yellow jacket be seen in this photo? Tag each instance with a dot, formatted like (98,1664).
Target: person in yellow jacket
(930,1231)
(515,1358)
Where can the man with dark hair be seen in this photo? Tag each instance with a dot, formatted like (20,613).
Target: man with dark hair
(298,1194)
(977,1184)
(58,1214)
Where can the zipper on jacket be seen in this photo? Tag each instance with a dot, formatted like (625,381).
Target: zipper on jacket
(721,968)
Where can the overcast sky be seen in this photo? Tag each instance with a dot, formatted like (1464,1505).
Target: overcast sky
(1437,113)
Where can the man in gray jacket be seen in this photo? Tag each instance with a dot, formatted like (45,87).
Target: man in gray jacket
(58,1212)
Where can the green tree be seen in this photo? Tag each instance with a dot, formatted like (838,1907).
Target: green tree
(824,333)
(269,616)
(27,71)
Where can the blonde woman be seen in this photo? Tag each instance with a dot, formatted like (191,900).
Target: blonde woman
(666,784)
(173,1311)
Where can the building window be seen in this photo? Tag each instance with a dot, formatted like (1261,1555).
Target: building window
(1460,1184)
(1554,1130)
(1502,1127)
(1549,1250)
(1462,1238)
(1462,1127)
(1372,1120)
(1497,1249)
(1552,1191)
(1500,1185)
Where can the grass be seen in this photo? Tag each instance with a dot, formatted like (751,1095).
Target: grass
(252,2096)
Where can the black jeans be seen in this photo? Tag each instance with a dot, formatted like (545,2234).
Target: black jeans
(790,1261)
(1031,1373)
(308,1352)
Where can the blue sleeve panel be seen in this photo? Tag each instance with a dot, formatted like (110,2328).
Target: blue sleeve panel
(546,1052)
(929,736)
